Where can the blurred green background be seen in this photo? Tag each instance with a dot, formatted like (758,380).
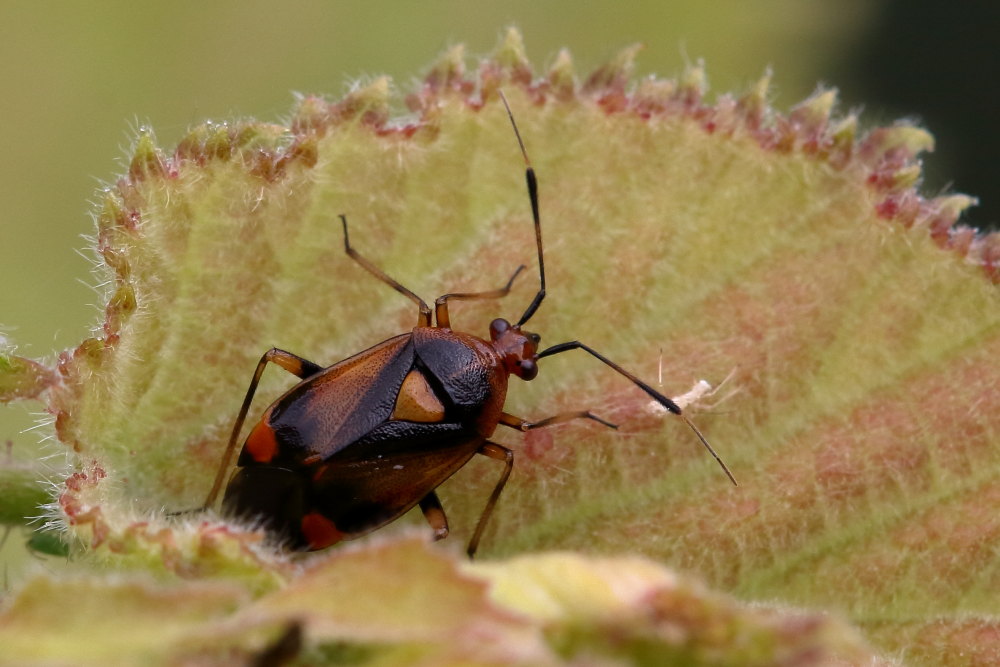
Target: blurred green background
(79,78)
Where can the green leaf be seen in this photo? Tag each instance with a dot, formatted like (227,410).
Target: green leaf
(856,321)
(402,602)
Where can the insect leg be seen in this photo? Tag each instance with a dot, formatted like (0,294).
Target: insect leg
(494,451)
(441,304)
(430,505)
(424,317)
(295,365)
(657,396)
(523,425)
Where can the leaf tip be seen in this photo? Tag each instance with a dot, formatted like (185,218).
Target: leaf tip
(448,70)
(146,160)
(611,78)
(561,76)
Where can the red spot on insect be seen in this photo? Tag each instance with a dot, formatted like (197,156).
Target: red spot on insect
(261,444)
(319,531)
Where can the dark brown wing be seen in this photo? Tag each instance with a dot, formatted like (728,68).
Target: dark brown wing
(339,405)
(390,470)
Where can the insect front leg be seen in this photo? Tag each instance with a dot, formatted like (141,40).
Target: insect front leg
(494,451)
(430,505)
(292,363)
(524,425)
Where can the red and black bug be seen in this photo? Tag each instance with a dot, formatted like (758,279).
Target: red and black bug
(355,445)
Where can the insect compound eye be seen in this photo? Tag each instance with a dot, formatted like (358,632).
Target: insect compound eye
(497,327)
(535,338)
(527,369)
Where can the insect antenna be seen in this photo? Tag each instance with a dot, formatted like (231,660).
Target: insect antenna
(725,468)
(529,176)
